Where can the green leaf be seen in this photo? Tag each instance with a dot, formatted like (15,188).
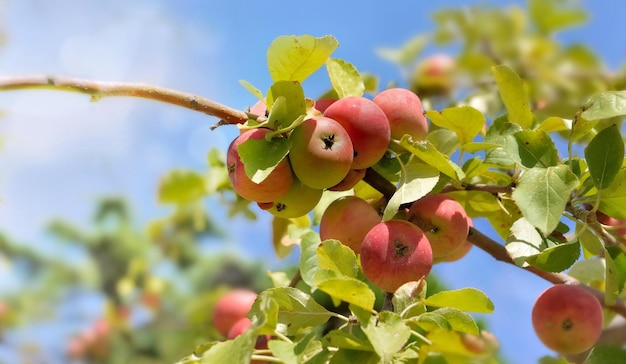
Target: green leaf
(349,290)
(542,194)
(465,299)
(333,255)
(614,197)
(501,133)
(550,16)
(427,152)
(524,241)
(416,180)
(534,148)
(555,123)
(308,257)
(386,332)
(513,95)
(296,311)
(253,90)
(407,299)
(588,271)
(478,146)
(406,54)
(465,121)
(238,350)
(347,340)
(294,58)
(605,105)
(344,77)
(181,187)
(260,157)
(606,353)
(557,258)
(604,156)
(611,286)
(448,318)
(294,103)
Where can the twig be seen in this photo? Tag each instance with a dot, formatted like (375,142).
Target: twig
(99,89)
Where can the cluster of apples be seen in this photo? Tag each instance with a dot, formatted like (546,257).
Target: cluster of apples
(331,149)
(92,342)
(433,229)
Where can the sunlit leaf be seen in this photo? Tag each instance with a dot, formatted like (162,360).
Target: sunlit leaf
(513,95)
(308,257)
(534,148)
(614,197)
(347,289)
(407,53)
(181,187)
(524,241)
(465,121)
(605,105)
(253,90)
(557,258)
(425,151)
(331,254)
(260,157)
(542,194)
(417,180)
(294,58)
(345,78)
(550,16)
(386,332)
(465,299)
(604,156)
(345,340)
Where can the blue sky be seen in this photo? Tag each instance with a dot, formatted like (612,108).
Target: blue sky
(62,152)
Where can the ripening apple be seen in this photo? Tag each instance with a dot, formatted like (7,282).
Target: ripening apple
(395,252)
(232,307)
(404,112)
(567,319)
(276,184)
(443,220)
(322,104)
(611,221)
(348,219)
(321,152)
(462,250)
(349,181)
(434,76)
(367,126)
(298,201)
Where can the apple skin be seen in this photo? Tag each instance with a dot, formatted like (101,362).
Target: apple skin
(611,221)
(322,104)
(298,201)
(273,187)
(367,126)
(434,76)
(350,180)
(321,152)
(395,252)
(348,219)
(404,111)
(443,220)
(567,319)
(232,307)
(462,250)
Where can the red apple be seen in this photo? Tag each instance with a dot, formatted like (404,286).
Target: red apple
(462,250)
(232,307)
(367,126)
(434,76)
(321,152)
(349,181)
(348,219)
(322,104)
(567,319)
(273,187)
(404,112)
(395,252)
(443,220)
(620,225)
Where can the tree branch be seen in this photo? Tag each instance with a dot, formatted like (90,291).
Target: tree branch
(99,89)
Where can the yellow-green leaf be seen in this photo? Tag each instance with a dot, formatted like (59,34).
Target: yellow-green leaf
(294,58)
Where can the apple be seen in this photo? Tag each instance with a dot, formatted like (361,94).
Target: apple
(298,201)
(404,112)
(434,76)
(613,222)
(462,250)
(76,348)
(277,183)
(395,252)
(350,180)
(567,319)
(367,126)
(322,104)
(443,220)
(348,219)
(232,307)
(240,327)
(321,152)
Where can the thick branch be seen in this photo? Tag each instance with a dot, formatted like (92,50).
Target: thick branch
(99,89)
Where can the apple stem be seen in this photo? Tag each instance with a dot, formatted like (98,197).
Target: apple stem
(296,279)
(100,89)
